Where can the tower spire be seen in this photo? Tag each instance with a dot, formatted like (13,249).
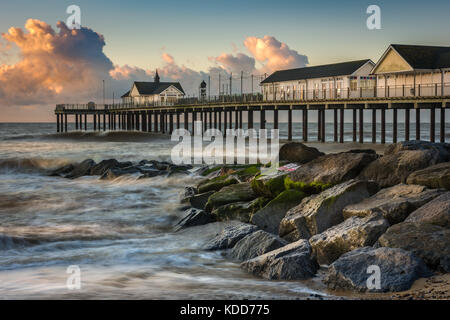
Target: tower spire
(156,76)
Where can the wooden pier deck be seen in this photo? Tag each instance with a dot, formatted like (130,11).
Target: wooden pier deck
(228,113)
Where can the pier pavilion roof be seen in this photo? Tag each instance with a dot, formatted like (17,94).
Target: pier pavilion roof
(323,71)
(150,88)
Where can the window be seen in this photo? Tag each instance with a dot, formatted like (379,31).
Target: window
(353,83)
(367,82)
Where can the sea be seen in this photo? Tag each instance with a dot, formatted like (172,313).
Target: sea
(118,234)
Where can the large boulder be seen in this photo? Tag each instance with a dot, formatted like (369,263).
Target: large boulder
(427,241)
(437,176)
(333,168)
(319,212)
(199,201)
(298,152)
(269,217)
(215,184)
(354,270)
(62,171)
(435,212)
(402,159)
(395,203)
(240,192)
(269,186)
(117,172)
(230,236)
(256,244)
(242,211)
(291,262)
(81,169)
(103,166)
(349,235)
(194,217)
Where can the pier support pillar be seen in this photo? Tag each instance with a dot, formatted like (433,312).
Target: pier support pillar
(94,120)
(144,121)
(432,124)
(354,125)
(210,116)
(65,122)
(417,124)
(290,124)
(383,125)
(341,124)
(275,119)
(323,134)
(250,119)
(215,119)
(319,125)
(76,121)
(99,121)
(442,124)
(104,121)
(263,119)
(374,125)
(57,122)
(305,124)
(178,120)
(335,113)
(81,122)
(394,126)
(236,119)
(186,120)
(407,122)
(361,125)
(85,122)
(220,120)
(171,123)
(162,122)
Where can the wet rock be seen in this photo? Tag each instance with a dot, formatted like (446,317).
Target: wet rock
(199,201)
(349,235)
(150,173)
(230,236)
(61,171)
(398,270)
(402,159)
(81,169)
(100,168)
(117,172)
(241,192)
(241,211)
(333,168)
(291,262)
(269,217)
(427,241)
(298,152)
(194,217)
(256,244)
(269,186)
(182,169)
(437,176)
(319,212)
(395,203)
(435,212)
(216,183)
(190,191)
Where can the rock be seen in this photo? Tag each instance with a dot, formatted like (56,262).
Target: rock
(333,168)
(242,211)
(100,168)
(190,191)
(349,235)
(117,172)
(174,169)
(150,172)
(230,236)
(298,152)
(256,244)
(291,262)
(319,212)
(435,212)
(241,192)
(398,270)
(199,201)
(269,217)
(427,241)
(437,176)
(402,159)
(395,203)
(194,217)
(81,169)
(440,150)
(248,173)
(269,186)
(61,171)
(216,183)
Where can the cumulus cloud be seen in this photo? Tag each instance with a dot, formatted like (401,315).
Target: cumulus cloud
(273,54)
(69,66)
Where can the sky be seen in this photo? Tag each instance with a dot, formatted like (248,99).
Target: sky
(43,63)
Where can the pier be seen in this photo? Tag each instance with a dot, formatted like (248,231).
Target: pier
(226,112)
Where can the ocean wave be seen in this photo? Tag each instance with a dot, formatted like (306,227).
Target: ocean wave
(39,165)
(108,136)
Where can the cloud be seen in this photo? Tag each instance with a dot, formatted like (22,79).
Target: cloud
(60,66)
(273,54)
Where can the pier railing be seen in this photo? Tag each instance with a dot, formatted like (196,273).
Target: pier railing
(300,96)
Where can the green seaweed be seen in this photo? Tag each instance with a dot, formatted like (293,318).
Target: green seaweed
(308,188)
